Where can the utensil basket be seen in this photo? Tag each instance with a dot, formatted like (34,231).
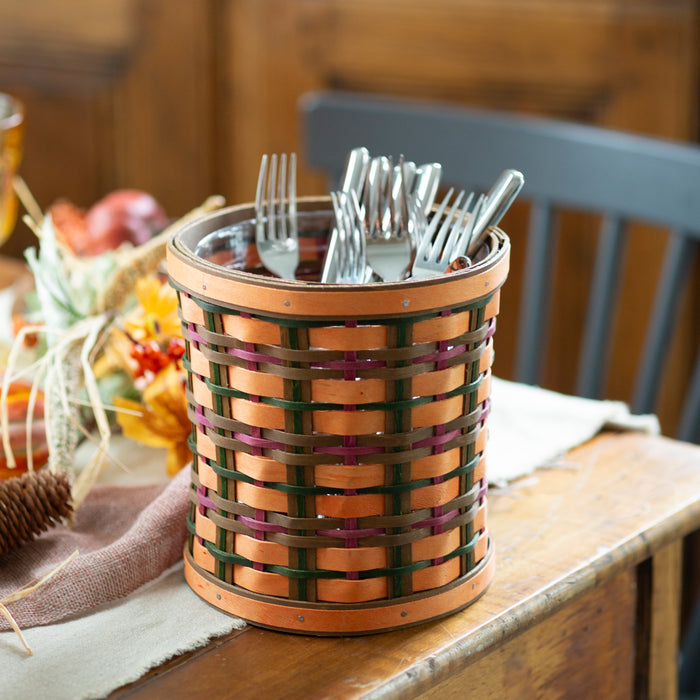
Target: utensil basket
(339,478)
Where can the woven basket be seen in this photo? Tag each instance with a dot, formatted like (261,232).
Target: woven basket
(338,483)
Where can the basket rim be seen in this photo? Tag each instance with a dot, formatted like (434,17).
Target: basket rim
(209,281)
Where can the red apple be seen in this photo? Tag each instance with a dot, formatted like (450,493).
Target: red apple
(123,215)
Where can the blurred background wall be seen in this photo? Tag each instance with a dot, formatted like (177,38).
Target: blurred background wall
(181,98)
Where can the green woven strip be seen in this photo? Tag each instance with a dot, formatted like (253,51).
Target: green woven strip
(389,406)
(299,477)
(396,489)
(305,574)
(218,400)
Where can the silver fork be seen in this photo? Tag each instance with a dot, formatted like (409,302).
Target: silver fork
(350,249)
(389,241)
(276,226)
(436,251)
(353,179)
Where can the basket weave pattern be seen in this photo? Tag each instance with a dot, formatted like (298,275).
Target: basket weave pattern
(339,462)
(338,457)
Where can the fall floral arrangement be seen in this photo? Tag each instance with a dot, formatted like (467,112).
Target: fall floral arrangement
(97,348)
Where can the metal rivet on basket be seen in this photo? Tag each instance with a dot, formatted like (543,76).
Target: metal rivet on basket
(473,585)
(406,302)
(204,286)
(486,284)
(404,613)
(286,302)
(300,618)
(218,596)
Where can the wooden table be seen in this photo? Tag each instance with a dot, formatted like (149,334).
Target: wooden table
(585,601)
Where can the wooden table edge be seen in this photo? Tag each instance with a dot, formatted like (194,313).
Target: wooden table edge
(545,602)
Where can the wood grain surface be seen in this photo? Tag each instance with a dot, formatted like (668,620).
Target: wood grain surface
(574,544)
(182,99)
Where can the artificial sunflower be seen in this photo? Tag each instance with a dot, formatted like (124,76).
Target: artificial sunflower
(155,317)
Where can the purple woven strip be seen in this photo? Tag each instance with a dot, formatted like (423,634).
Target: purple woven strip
(348,451)
(439,430)
(250,347)
(256,432)
(194,335)
(351,534)
(491,329)
(349,365)
(202,420)
(260,524)
(484,488)
(440,356)
(204,500)
(256,441)
(252,356)
(437,439)
(435,521)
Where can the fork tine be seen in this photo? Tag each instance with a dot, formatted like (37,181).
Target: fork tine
(339,224)
(276,224)
(426,243)
(259,195)
(445,228)
(404,198)
(292,196)
(281,195)
(455,235)
(357,239)
(271,178)
(465,238)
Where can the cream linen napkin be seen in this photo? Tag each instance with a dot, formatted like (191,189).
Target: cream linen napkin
(530,427)
(91,655)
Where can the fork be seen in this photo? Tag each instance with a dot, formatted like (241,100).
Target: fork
(354,175)
(389,243)
(350,245)
(276,226)
(436,251)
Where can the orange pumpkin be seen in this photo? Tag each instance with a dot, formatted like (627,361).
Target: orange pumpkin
(17,407)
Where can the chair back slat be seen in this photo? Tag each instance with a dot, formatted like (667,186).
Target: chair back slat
(536,298)
(674,273)
(689,425)
(592,367)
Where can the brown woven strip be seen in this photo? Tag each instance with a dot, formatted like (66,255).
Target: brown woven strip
(315,355)
(409,519)
(307,460)
(309,373)
(314,541)
(467,503)
(318,440)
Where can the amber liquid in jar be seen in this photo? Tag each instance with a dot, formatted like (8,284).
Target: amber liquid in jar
(11,133)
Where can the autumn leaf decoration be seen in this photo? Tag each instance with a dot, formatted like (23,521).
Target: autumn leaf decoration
(161,420)
(152,330)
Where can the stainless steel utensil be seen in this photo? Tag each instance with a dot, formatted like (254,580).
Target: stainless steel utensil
(276,227)
(350,247)
(352,180)
(498,200)
(435,251)
(387,223)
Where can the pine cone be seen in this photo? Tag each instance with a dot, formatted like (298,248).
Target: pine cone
(30,504)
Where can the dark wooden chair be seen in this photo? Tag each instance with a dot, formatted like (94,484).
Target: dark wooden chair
(624,177)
